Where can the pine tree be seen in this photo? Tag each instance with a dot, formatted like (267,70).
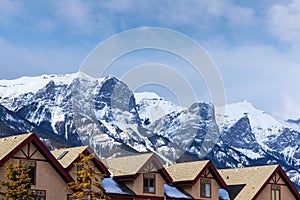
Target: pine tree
(88,185)
(18,183)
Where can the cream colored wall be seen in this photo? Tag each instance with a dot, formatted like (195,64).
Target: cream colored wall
(265,194)
(194,190)
(285,193)
(159,185)
(46,177)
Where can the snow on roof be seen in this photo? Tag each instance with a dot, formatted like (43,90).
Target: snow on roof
(111,186)
(223,194)
(171,191)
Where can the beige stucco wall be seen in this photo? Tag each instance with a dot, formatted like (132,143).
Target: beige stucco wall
(46,177)
(137,185)
(194,190)
(285,193)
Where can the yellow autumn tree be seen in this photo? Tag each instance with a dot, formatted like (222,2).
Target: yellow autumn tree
(88,184)
(18,183)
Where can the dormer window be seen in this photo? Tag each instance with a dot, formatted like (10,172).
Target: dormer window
(205,187)
(275,192)
(149,183)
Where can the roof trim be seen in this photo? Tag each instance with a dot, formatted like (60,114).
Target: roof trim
(32,138)
(100,166)
(160,167)
(288,182)
(214,172)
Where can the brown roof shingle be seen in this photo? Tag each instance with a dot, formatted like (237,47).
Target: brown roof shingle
(8,144)
(253,177)
(70,155)
(127,165)
(187,171)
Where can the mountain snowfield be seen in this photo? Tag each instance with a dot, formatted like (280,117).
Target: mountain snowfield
(75,109)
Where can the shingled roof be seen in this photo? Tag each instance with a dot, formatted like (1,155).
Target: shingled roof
(68,156)
(9,146)
(131,166)
(127,165)
(189,172)
(254,179)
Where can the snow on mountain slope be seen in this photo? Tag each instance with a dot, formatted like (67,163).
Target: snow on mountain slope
(262,124)
(105,114)
(152,107)
(25,84)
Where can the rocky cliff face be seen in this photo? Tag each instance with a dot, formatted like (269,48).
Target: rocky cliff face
(74,109)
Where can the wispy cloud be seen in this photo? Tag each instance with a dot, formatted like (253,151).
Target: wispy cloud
(248,43)
(284,21)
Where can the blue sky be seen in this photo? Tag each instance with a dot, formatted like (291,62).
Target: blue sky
(255,44)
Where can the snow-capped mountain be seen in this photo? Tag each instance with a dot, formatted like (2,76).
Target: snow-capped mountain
(76,109)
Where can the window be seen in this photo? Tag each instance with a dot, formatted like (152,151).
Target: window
(149,183)
(205,187)
(275,192)
(39,194)
(32,171)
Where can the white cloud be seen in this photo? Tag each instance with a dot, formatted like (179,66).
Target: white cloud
(74,13)
(199,13)
(260,74)
(284,21)
(235,15)
(291,107)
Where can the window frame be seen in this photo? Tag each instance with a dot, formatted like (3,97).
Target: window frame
(274,189)
(204,182)
(147,177)
(36,194)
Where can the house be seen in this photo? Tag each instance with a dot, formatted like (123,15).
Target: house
(200,179)
(67,157)
(260,183)
(48,177)
(142,174)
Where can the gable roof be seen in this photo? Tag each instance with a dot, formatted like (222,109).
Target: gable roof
(127,165)
(255,179)
(68,156)
(9,146)
(189,172)
(131,166)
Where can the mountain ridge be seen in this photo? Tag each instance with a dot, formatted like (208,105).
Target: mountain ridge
(105,114)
